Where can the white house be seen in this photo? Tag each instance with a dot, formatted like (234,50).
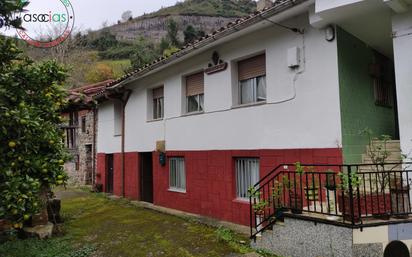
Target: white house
(295,82)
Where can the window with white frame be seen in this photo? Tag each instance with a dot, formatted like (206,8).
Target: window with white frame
(252,80)
(247,175)
(195,92)
(158,103)
(177,174)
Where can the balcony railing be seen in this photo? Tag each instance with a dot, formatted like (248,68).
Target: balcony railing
(348,195)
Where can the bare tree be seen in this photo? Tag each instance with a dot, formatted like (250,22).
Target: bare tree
(127,15)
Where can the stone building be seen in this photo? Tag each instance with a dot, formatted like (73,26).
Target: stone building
(80,133)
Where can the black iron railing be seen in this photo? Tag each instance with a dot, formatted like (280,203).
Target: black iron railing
(349,195)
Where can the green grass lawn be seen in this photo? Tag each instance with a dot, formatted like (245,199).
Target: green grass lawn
(98,227)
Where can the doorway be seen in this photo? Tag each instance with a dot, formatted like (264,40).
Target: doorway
(89,165)
(146,177)
(109,173)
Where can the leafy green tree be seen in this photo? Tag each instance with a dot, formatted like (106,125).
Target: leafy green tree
(104,41)
(32,153)
(172,30)
(168,52)
(163,45)
(100,72)
(7,8)
(144,52)
(191,34)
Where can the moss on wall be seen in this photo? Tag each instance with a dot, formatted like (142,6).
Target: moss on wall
(358,108)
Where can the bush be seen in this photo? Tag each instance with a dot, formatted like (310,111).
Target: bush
(58,247)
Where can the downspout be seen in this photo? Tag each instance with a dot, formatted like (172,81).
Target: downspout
(94,145)
(124,102)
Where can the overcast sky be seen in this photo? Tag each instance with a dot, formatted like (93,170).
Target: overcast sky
(92,13)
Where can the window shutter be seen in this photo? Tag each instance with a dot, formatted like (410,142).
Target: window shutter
(195,84)
(252,67)
(158,92)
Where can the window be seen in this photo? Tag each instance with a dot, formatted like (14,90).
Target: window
(74,119)
(84,124)
(158,103)
(177,175)
(247,175)
(117,118)
(382,92)
(252,80)
(195,92)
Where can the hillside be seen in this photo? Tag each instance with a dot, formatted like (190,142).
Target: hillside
(110,52)
(222,8)
(204,15)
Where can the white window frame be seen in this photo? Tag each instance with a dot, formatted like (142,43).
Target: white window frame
(247,172)
(158,105)
(256,98)
(177,174)
(200,106)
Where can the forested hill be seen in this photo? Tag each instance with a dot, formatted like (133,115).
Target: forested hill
(222,8)
(132,42)
(204,15)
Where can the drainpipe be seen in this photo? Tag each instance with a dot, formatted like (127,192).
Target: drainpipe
(94,145)
(124,101)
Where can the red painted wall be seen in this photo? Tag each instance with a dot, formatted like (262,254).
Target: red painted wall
(117,174)
(132,180)
(131,174)
(210,178)
(101,170)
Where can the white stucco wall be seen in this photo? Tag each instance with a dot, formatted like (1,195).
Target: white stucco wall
(324,5)
(402,43)
(107,142)
(306,118)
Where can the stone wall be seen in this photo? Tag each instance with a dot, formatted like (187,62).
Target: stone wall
(156,27)
(84,143)
(298,238)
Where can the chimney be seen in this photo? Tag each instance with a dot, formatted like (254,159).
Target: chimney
(263,4)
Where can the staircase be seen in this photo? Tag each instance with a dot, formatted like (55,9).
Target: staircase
(379,152)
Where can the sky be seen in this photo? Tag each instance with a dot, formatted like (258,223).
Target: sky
(91,14)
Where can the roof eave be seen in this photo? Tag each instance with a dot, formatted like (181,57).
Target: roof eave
(201,45)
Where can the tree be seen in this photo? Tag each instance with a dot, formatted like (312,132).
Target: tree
(191,34)
(144,52)
(32,153)
(172,30)
(7,9)
(127,15)
(163,45)
(104,41)
(99,73)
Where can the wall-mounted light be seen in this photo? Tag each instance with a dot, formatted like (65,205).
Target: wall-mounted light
(330,33)
(162,159)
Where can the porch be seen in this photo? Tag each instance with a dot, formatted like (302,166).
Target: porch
(299,204)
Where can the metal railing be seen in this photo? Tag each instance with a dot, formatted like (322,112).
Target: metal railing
(350,195)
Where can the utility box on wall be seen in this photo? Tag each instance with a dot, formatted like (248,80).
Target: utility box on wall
(293,57)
